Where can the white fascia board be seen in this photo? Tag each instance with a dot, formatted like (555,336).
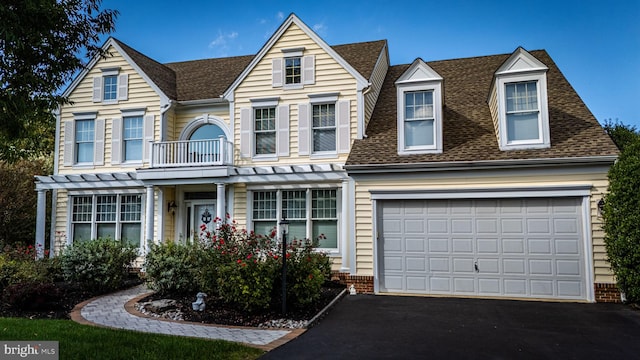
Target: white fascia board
(78,185)
(418,72)
(476,165)
(521,61)
(293,19)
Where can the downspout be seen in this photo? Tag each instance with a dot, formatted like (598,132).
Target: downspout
(360,133)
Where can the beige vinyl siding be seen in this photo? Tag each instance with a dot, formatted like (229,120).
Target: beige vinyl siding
(240,205)
(364,210)
(493,107)
(62,217)
(140,95)
(330,77)
(169,220)
(377,78)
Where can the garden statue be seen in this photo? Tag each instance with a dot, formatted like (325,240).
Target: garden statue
(199,304)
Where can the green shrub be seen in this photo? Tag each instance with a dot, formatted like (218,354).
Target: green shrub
(174,268)
(31,296)
(99,265)
(19,265)
(622,221)
(307,270)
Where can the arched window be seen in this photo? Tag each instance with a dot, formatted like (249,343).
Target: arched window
(206,132)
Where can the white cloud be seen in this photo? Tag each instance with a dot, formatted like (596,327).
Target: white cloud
(318,27)
(223,39)
(280,16)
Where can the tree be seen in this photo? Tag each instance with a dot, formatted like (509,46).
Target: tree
(621,213)
(18,200)
(41,46)
(621,134)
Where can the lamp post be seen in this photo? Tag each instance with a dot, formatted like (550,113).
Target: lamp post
(284,226)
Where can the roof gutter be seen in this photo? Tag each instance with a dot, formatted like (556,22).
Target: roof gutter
(202,102)
(478,165)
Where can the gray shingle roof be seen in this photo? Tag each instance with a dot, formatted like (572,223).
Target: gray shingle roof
(468,131)
(209,78)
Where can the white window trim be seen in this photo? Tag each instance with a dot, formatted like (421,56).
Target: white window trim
(258,104)
(436,87)
(543,141)
(122,86)
(81,117)
(330,251)
(138,112)
(94,224)
(299,85)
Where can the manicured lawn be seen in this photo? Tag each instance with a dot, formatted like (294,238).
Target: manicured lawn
(89,342)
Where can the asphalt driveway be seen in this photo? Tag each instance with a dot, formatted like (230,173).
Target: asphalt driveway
(394,327)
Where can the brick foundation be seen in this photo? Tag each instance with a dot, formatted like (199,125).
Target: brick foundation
(607,293)
(363,284)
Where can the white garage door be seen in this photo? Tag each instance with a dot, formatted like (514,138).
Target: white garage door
(525,248)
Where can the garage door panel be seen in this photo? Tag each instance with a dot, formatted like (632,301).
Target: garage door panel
(438,245)
(539,246)
(541,288)
(439,284)
(439,264)
(464,285)
(513,266)
(521,247)
(488,266)
(567,246)
(540,267)
(416,264)
(415,245)
(487,246)
(489,286)
(512,226)
(462,246)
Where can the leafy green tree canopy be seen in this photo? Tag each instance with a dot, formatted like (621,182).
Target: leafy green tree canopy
(621,134)
(41,47)
(622,211)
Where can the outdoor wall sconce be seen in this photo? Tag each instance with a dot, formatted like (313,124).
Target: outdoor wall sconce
(600,206)
(171,207)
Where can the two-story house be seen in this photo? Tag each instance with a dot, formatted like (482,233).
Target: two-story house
(476,176)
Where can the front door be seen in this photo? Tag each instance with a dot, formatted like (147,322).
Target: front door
(201,217)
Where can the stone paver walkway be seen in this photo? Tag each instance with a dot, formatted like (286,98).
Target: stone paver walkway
(111,311)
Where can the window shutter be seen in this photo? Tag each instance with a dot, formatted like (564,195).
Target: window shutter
(116,134)
(69,142)
(98,150)
(283,130)
(97,88)
(303,129)
(276,72)
(148,137)
(245,132)
(309,70)
(123,86)
(344,126)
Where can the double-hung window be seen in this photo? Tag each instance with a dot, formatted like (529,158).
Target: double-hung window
(419,120)
(265,130)
(106,216)
(111,86)
(312,214)
(84,140)
(324,127)
(132,138)
(294,69)
(523,123)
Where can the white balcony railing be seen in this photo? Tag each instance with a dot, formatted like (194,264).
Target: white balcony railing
(191,153)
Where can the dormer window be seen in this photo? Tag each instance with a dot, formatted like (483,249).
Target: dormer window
(520,99)
(419,114)
(110,91)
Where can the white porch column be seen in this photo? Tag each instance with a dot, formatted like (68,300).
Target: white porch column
(162,210)
(220,203)
(344,227)
(41,220)
(148,234)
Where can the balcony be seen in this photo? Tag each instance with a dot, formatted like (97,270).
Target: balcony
(185,153)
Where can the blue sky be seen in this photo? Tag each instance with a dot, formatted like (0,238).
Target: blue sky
(596,44)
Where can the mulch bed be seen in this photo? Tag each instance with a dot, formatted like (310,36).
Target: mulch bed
(218,312)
